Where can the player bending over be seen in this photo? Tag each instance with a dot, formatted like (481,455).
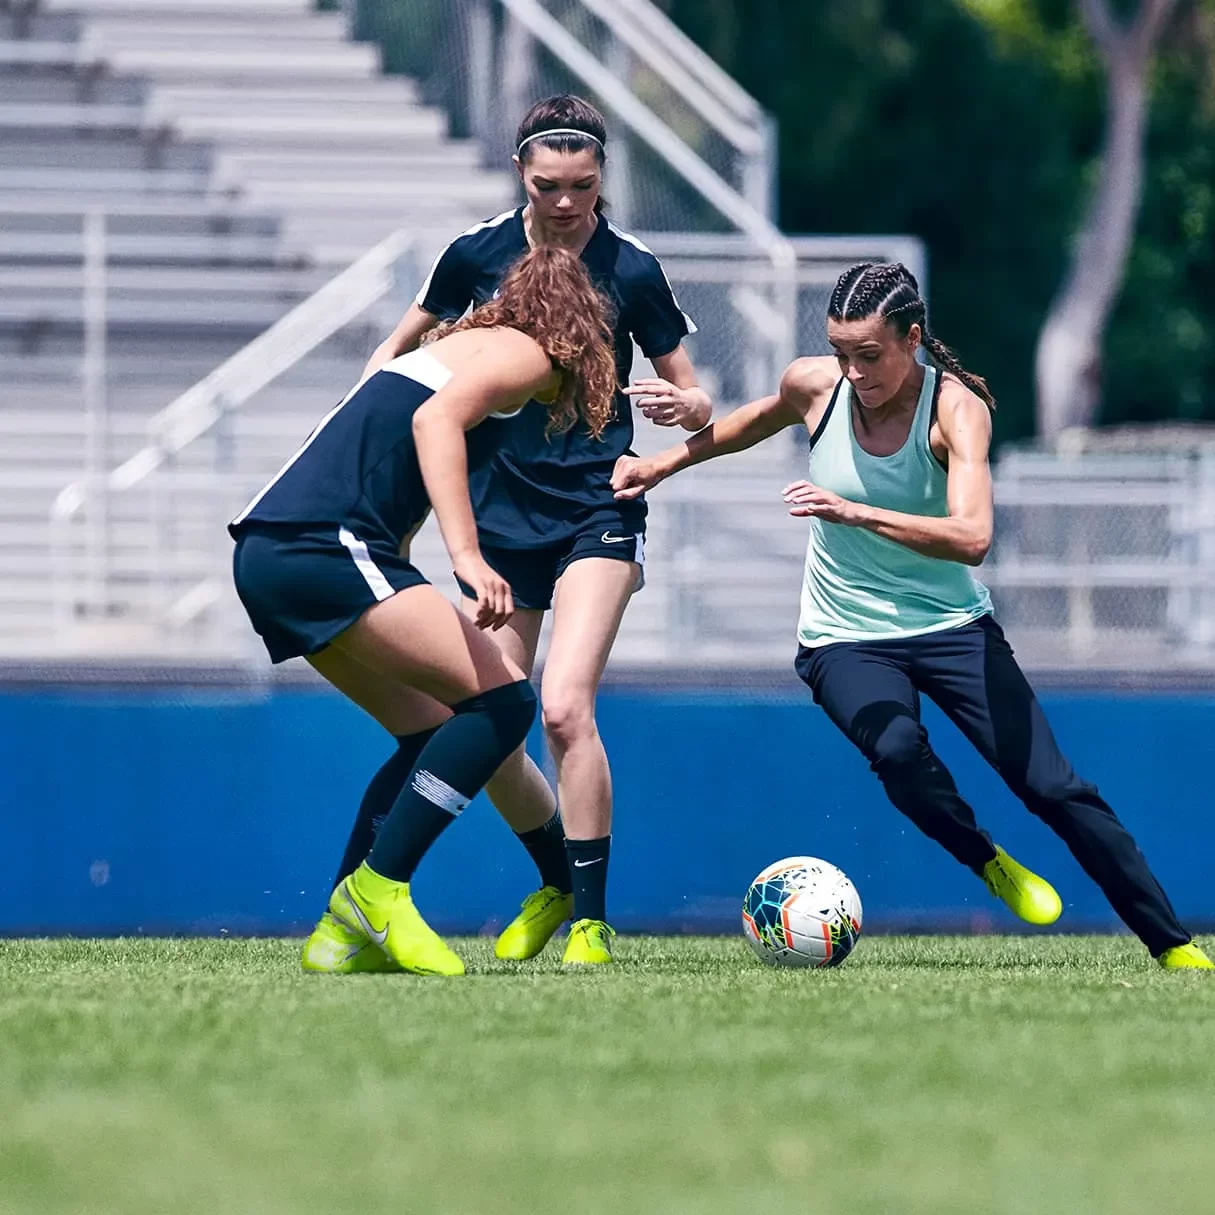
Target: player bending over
(318,566)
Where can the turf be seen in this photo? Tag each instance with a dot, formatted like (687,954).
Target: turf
(938,1075)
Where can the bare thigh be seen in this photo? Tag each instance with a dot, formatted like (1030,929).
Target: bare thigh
(419,639)
(517,638)
(399,708)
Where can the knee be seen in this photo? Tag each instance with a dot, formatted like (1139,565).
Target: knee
(569,718)
(900,745)
(1045,795)
(510,709)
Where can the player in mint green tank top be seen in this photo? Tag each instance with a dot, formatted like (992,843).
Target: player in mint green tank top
(898,499)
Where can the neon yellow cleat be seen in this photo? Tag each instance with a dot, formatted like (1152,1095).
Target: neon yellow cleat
(1025,894)
(542,913)
(1185,957)
(590,944)
(382,911)
(333,949)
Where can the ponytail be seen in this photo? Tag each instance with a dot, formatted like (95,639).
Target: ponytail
(944,357)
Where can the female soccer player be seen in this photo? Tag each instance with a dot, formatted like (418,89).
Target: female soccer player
(319,569)
(546,516)
(899,499)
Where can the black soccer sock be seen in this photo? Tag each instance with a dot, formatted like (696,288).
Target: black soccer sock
(588,861)
(546,846)
(462,754)
(383,791)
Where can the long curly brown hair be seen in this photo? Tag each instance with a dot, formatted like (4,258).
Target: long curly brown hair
(548,295)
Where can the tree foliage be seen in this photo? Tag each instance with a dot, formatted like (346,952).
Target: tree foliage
(975,124)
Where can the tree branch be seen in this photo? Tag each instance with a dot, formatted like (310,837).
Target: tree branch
(1105,32)
(1149,25)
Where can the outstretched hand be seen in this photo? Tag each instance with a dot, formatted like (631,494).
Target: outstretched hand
(666,405)
(632,476)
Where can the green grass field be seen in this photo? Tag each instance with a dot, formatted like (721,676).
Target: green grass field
(989,1075)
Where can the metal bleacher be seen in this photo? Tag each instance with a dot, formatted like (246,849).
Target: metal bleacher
(203,166)
(211,211)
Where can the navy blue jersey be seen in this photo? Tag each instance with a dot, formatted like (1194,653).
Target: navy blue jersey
(537,491)
(359,467)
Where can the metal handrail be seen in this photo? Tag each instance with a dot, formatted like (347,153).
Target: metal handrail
(743,132)
(236,380)
(678,47)
(647,126)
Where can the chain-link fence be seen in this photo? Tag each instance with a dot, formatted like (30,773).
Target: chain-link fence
(1106,557)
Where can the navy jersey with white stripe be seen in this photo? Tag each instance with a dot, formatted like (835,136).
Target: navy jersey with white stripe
(359,467)
(537,491)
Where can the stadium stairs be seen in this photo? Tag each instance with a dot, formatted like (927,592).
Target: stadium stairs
(242,151)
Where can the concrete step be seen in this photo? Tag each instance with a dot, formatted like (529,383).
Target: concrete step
(143,358)
(477,192)
(21,119)
(84,188)
(134,249)
(19,87)
(39,26)
(248,66)
(249,315)
(167,10)
(106,151)
(39,55)
(450,157)
(198,217)
(183,29)
(274,282)
(375,91)
(414,125)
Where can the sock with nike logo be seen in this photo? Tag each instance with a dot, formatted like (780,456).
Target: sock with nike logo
(588,869)
(546,846)
(382,793)
(462,754)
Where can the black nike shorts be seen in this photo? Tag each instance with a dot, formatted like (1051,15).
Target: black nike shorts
(533,573)
(303,586)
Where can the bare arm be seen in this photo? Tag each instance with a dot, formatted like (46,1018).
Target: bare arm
(674,398)
(962,535)
(413,326)
(803,388)
(509,370)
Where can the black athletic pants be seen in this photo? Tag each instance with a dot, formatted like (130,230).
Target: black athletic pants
(871,690)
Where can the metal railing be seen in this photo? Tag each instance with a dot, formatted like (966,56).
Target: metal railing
(80,513)
(1107,560)
(689,151)
(177,576)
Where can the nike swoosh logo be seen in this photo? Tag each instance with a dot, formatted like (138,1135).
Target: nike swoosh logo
(607,539)
(584,864)
(365,924)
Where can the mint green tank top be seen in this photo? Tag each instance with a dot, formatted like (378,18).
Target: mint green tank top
(862,587)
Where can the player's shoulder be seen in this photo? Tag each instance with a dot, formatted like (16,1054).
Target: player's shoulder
(809,379)
(958,405)
(495,345)
(488,235)
(635,260)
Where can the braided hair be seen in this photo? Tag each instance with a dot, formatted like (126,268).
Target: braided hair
(889,290)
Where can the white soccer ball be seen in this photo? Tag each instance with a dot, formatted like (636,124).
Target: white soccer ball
(802,912)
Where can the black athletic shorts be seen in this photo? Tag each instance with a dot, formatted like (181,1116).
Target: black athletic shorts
(302,586)
(533,572)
